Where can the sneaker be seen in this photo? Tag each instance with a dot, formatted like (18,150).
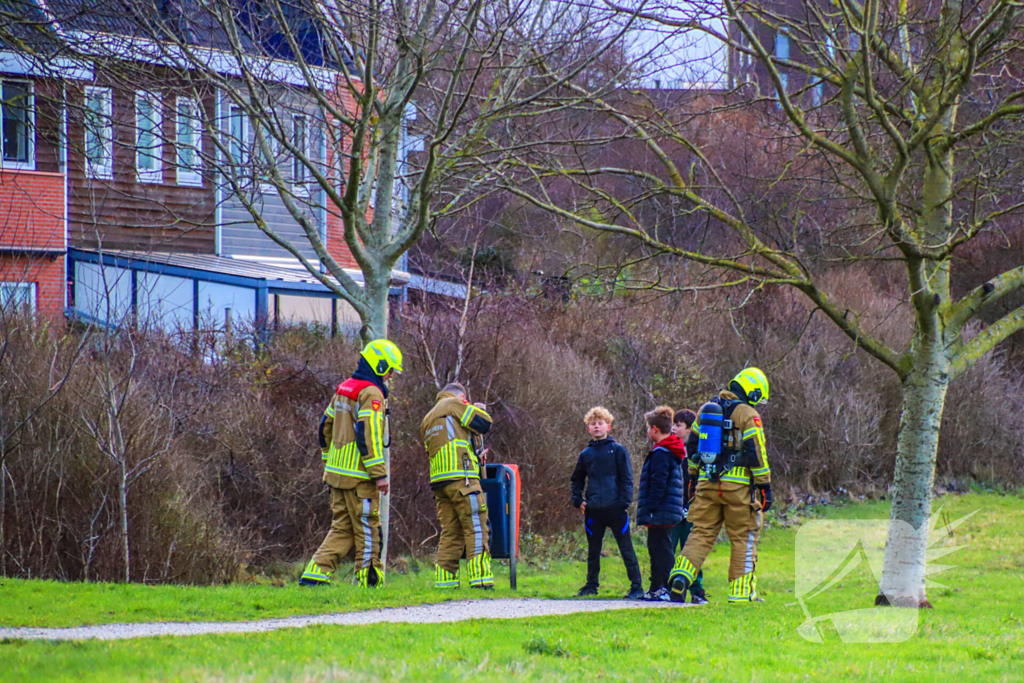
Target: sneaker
(698,598)
(586,591)
(636,594)
(660,595)
(679,586)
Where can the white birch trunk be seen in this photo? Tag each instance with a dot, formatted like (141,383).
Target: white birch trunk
(924,397)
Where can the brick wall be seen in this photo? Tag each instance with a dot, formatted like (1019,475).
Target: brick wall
(32,219)
(48,273)
(31,210)
(336,245)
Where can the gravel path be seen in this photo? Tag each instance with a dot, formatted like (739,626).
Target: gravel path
(421,614)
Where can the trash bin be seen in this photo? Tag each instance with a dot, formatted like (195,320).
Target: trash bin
(502,488)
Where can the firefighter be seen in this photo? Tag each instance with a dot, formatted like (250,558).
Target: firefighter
(727,448)
(449,432)
(352,445)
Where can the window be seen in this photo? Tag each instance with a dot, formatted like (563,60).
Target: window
(300,173)
(782,44)
(99,133)
(830,48)
(189,142)
(17,297)
(854,41)
(784,80)
(148,138)
(17,105)
(818,93)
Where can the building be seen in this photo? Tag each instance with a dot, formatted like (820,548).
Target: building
(121,205)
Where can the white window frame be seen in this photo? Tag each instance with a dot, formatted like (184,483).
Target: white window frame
(152,175)
(189,173)
(784,80)
(276,149)
(30,138)
(818,93)
(300,173)
(782,44)
(104,169)
(8,290)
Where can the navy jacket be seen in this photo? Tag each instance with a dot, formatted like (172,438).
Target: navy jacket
(660,501)
(604,469)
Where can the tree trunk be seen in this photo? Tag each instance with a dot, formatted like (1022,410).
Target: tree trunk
(378,284)
(122,491)
(3,509)
(924,396)
(375,321)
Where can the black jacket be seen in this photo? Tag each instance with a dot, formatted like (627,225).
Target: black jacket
(603,468)
(660,501)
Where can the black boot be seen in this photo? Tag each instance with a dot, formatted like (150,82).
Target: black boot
(678,591)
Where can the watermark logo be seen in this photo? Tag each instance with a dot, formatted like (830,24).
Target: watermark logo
(831,551)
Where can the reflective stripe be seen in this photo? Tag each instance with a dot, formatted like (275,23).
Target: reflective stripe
(330,409)
(738,475)
(447,463)
(750,433)
(683,568)
(748,563)
(346,461)
(367,534)
(451,428)
(478,532)
(741,589)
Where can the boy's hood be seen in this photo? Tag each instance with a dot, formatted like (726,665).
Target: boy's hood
(674,445)
(601,442)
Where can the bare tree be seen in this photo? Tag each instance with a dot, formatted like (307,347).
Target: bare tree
(133,433)
(901,118)
(326,91)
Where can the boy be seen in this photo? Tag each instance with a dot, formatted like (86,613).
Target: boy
(660,501)
(682,423)
(603,470)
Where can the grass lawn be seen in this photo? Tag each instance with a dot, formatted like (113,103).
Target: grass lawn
(975,632)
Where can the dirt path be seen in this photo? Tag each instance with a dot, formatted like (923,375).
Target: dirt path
(421,614)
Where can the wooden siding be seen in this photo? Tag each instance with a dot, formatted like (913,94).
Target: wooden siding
(122,213)
(241,237)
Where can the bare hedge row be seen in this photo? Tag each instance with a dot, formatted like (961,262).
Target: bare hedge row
(213,449)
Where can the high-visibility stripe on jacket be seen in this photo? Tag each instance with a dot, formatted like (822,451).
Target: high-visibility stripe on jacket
(447,432)
(352,435)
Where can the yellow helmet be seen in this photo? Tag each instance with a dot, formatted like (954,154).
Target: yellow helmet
(754,385)
(383,356)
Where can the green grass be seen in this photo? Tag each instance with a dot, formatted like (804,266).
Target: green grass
(976,631)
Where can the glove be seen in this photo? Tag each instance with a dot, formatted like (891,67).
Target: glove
(766,496)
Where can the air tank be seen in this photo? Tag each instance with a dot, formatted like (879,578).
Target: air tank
(712,423)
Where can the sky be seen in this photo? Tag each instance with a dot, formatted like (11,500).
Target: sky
(672,55)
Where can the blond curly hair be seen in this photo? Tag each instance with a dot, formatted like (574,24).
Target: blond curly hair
(598,413)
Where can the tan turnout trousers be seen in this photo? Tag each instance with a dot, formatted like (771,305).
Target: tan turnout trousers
(742,520)
(462,512)
(355,530)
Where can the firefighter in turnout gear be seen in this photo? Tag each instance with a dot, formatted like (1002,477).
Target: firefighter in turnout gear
(727,448)
(352,443)
(449,432)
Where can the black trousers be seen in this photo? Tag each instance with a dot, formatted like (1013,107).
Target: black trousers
(596,522)
(659,545)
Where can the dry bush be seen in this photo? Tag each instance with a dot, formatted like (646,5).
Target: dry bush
(241,480)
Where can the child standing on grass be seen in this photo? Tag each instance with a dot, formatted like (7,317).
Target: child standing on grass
(604,472)
(682,423)
(660,501)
